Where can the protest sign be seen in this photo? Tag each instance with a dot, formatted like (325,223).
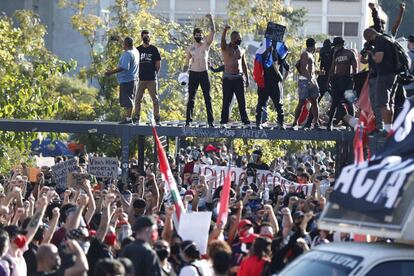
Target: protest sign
(195,227)
(44,161)
(60,172)
(263,176)
(275,32)
(103,167)
(75,180)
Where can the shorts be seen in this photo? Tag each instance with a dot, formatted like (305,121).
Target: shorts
(307,91)
(127,92)
(385,92)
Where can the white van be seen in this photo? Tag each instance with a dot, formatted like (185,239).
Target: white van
(352,258)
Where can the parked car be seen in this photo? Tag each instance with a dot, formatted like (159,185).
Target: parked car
(353,258)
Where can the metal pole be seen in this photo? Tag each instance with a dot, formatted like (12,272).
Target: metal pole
(125,154)
(141,153)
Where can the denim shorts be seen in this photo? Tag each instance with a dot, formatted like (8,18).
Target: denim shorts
(307,91)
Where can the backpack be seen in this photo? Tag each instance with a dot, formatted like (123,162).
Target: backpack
(403,61)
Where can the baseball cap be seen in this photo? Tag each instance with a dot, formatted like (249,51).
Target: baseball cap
(243,223)
(338,41)
(14,230)
(411,38)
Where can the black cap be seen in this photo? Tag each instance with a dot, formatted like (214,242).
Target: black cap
(142,223)
(139,203)
(298,214)
(14,230)
(327,43)
(310,42)
(411,38)
(338,41)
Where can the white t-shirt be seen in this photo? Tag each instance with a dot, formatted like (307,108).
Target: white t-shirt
(19,266)
(202,265)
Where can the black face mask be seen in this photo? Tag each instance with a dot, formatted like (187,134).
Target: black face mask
(198,39)
(146,40)
(162,254)
(175,249)
(238,42)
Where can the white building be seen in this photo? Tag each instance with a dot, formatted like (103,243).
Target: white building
(346,18)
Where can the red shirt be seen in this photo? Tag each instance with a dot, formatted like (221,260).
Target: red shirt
(251,266)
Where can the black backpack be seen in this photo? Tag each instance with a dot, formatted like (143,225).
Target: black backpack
(402,59)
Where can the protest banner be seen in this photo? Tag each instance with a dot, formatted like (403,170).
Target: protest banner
(44,161)
(60,172)
(375,197)
(103,167)
(75,180)
(263,176)
(194,227)
(275,32)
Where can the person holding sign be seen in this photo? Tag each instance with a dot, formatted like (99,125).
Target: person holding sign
(235,73)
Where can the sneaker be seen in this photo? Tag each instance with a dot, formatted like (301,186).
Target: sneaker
(187,124)
(259,126)
(126,121)
(281,126)
(224,125)
(158,121)
(136,119)
(329,128)
(211,124)
(317,127)
(294,127)
(246,123)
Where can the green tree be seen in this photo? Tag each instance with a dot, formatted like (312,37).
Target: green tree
(27,74)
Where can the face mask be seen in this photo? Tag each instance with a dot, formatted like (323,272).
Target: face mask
(238,42)
(146,39)
(20,241)
(175,249)
(198,39)
(162,254)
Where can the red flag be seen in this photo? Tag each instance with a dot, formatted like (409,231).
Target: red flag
(359,145)
(168,177)
(366,112)
(224,200)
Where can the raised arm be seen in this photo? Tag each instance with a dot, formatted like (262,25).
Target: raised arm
(81,264)
(168,230)
(210,37)
(75,221)
(223,38)
(398,21)
(52,226)
(37,218)
(91,201)
(104,224)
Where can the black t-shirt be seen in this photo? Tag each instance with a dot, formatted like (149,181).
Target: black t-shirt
(143,257)
(147,58)
(96,251)
(30,258)
(387,66)
(55,273)
(325,58)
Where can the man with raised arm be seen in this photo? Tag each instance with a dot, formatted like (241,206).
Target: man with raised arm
(197,64)
(235,73)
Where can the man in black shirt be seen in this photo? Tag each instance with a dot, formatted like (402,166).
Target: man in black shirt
(140,251)
(149,67)
(384,57)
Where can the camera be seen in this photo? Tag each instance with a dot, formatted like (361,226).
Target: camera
(367,47)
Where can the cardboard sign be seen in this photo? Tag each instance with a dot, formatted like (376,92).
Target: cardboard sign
(195,227)
(275,32)
(103,167)
(263,177)
(75,180)
(44,161)
(60,172)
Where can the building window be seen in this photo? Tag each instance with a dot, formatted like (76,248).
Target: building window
(351,29)
(335,28)
(343,29)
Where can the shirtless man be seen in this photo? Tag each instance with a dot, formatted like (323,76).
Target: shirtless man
(196,62)
(235,67)
(340,77)
(307,84)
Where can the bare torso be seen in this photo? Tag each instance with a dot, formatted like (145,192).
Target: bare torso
(232,59)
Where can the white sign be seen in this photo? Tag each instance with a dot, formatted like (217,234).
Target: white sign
(103,167)
(61,170)
(195,227)
(263,176)
(44,161)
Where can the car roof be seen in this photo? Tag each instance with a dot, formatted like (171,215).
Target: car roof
(370,250)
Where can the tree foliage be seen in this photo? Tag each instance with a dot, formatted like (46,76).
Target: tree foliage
(27,74)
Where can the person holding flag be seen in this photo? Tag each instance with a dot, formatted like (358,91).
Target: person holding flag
(270,62)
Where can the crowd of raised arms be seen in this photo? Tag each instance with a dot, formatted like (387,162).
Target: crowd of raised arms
(389,75)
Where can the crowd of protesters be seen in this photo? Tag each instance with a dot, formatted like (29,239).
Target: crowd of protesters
(111,228)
